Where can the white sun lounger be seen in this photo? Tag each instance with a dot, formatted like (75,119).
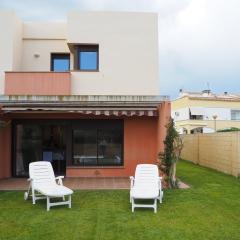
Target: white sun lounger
(43,184)
(146,185)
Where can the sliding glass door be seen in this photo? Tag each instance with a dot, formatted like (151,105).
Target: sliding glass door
(28,147)
(54,146)
(67,142)
(39,141)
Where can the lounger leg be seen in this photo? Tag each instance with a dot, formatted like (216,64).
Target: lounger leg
(132,205)
(161,196)
(29,189)
(155,205)
(33,196)
(70,201)
(48,203)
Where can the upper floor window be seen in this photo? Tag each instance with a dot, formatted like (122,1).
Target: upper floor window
(235,114)
(87,57)
(60,62)
(196,113)
(196,117)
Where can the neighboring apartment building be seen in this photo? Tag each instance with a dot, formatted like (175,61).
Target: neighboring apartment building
(82,94)
(205,112)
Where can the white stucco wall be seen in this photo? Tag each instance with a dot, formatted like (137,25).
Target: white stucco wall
(10,44)
(180,114)
(128,52)
(44,48)
(221,113)
(42,38)
(209,112)
(208,130)
(44,30)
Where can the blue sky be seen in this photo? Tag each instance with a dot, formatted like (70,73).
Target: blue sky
(199,40)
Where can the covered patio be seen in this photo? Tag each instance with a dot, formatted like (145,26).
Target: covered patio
(82,136)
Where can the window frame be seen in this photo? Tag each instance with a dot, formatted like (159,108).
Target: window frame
(235,112)
(58,54)
(85,48)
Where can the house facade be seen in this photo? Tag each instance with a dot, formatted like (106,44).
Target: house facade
(82,94)
(205,112)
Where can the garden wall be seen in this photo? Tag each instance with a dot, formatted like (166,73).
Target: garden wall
(220,151)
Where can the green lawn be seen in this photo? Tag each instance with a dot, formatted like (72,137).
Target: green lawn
(209,210)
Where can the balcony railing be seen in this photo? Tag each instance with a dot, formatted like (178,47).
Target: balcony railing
(37,83)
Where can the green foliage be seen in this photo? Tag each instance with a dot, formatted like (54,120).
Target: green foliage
(172,150)
(168,157)
(232,129)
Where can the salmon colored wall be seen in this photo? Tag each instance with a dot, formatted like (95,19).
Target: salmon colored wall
(5,151)
(143,139)
(140,146)
(164,115)
(37,83)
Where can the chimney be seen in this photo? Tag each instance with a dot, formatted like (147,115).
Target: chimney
(225,93)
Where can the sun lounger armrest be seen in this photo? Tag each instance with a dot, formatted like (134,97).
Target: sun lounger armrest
(132,181)
(59,180)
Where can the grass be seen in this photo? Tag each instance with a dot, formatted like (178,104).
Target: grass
(209,210)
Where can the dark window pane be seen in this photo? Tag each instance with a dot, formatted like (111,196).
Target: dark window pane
(110,147)
(60,62)
(28,147)
(88,60)
(84,147)
(54,146)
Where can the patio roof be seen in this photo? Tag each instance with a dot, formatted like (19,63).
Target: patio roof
(87,105)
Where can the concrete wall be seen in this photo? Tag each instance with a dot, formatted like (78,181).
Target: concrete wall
(220,107)
(143,140)
(220,151)
(128,52)
(180,114)
(38,83)
(140,146)
(42,38)
(5,151)
(220,124)
(221,112)
(45,30)
(10,44)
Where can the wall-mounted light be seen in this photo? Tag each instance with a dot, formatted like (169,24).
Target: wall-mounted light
(36,55)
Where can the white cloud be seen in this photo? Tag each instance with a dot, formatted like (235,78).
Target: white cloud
(202,46)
